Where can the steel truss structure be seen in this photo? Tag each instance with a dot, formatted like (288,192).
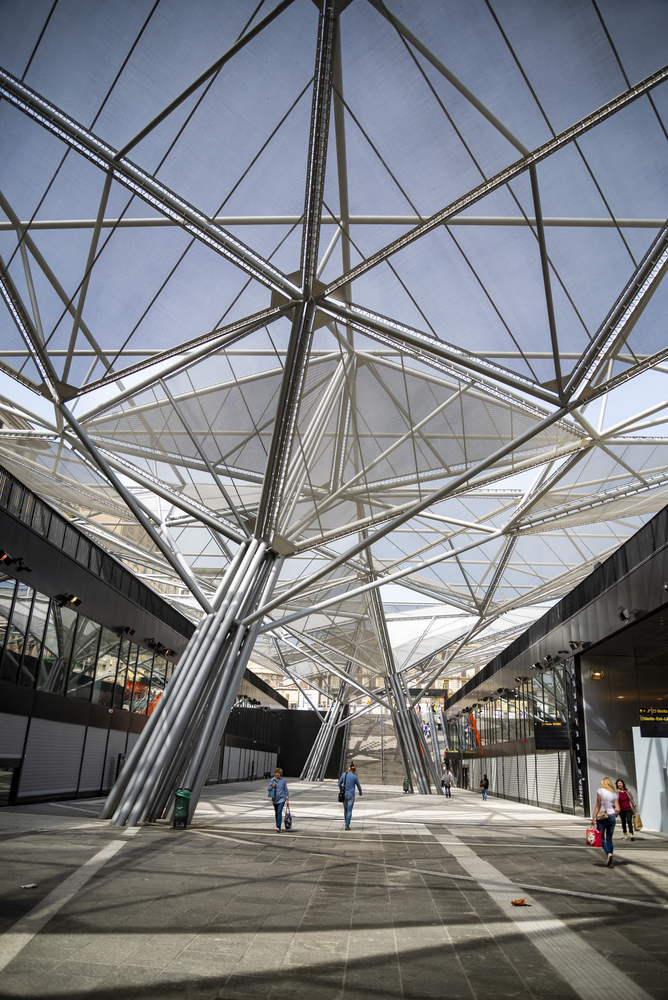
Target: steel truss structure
(287,329)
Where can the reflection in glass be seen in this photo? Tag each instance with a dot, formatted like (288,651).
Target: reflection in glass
(82,671)
(129,675)
(158,681)
(107,662)
(142,685)
(57,649)
(128,656)
(7,588)
(512,720)
(15,638)
(33,642)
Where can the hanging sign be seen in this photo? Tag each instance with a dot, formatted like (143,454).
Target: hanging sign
(551,736)
(654,721)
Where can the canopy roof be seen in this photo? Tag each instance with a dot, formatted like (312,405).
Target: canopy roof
(380,283)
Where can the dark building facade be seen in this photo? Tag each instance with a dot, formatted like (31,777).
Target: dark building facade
(86,649)
(581,694)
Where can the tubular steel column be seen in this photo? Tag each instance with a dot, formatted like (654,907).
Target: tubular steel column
(318,759)
(210,665)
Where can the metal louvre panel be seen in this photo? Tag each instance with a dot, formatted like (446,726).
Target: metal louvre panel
(214,770)
(532,788)
(92,768)
(12,734)
(116,745)
(503,780)
(566,776)
(522,769)
(494,777)
(53,759)
(547,769)
(500,784)
(234,762)
(512,788)
(226,762)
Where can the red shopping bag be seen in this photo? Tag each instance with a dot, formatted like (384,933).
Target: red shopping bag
(594,837)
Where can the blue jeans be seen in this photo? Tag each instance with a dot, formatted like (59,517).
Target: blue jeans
(278,809)
(446,788)
(607,826)
(348,808)
(484,795)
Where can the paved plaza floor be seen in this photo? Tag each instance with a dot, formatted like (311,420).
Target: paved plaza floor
(414,902)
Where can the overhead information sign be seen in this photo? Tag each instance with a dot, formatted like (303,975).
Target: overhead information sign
(551,736)
(654,721)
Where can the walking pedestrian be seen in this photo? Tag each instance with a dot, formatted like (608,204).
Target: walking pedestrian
(448,781)
(281,795)
(484,787)
(627,809)
(605,815)
(347,783)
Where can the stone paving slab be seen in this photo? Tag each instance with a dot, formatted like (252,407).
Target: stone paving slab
(229,909)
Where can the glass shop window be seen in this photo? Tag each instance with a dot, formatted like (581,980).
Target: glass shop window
(57,649)
(124,660)
(549,697)
(33,641)
(142,685)
(512,718)
(7,588)
(560,695)
(84,658)
(483,726)
(16,633)
(522,714)
(158,681)
(128,674)
(107,664)
(537,698)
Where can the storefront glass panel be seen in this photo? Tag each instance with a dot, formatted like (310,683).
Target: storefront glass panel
(142,685)
(84,658)
(130,670)
(16,633)
(33,643)
(57,649)
(7,588)
(158,681)
(107,664)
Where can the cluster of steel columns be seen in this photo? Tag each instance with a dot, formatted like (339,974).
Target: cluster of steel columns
(415,754)
(177,745)
(318,759)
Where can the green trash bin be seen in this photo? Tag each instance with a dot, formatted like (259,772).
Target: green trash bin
(407,785)
(181,806)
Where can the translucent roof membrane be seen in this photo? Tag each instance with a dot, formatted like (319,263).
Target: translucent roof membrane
(396,266)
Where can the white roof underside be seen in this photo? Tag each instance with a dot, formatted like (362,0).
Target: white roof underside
(432,368)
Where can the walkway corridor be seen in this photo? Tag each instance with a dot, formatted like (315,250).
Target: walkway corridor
(414,902)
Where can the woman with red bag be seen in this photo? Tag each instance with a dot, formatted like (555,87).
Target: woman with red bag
(605,815)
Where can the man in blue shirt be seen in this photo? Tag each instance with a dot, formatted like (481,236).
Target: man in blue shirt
(347,783)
